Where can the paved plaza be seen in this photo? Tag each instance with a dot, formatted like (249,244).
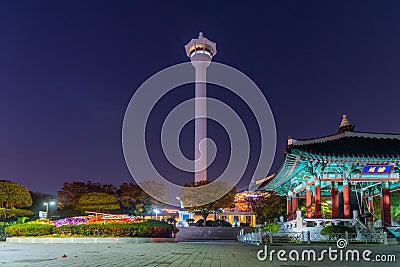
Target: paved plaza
(164,254)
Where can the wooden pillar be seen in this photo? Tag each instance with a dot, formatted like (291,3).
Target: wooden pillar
(335,200)
(385,205)
(289,208)
(346,199)
(371,207)
(294,206)
(308,201)
(317,199)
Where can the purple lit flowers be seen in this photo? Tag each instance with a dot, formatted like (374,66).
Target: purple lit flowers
(69,221)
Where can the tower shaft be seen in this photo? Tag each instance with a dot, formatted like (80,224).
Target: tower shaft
(200,51)
(200,124)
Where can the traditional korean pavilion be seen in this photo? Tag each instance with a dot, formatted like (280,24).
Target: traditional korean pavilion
(351,168)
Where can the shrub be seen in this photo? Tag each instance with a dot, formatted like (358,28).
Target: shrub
(3,235)
(270,227)
(226,224)
(223,223)
(171,220)
(190,220)
(210,223)
(335,229)
(149,228)
(200,222)
(30,229)
(97,201)
(14,213)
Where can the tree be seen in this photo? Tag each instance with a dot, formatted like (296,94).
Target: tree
(275,207)
(195,197)
(377,208)
(257,205)
(270,227)
(134,199)
(70,194)
(14,213)
(394,206)
(227,201)
(326,207)
(97,202)
(13,197)
(267,206)
(156,190)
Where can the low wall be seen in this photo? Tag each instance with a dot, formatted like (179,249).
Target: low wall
(85,240)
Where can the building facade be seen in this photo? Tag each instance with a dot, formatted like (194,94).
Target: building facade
(349,169)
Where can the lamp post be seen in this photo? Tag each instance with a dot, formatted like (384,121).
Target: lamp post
(156,211)
(47,207)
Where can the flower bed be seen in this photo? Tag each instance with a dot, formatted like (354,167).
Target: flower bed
(97,218)
(71,221)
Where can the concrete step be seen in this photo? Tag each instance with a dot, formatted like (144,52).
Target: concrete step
(393,241)
(207,233)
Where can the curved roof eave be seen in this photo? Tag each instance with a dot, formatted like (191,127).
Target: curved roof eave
(299,142)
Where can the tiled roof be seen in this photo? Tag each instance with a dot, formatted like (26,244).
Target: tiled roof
(352,144)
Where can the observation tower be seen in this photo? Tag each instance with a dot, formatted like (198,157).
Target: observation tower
(200,51)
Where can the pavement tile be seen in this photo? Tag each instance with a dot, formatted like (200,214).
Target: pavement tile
(214,254)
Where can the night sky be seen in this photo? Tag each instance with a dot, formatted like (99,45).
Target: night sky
(69,68)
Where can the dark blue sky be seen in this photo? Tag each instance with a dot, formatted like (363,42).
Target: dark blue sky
(69,68)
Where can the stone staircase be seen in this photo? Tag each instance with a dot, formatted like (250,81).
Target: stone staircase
(207,233)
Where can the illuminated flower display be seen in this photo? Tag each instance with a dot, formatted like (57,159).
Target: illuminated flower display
(97,218)
(68,221)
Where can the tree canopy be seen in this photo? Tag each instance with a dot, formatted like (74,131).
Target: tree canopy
(70,194)
(195,193)
(97,202)
(155,189)
(131,198)
(14,212)
(13,197)
(267,206)
(134,199)
(394,206)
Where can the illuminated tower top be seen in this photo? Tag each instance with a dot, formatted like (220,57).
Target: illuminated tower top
(201,46)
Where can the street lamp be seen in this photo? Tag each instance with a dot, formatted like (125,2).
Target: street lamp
(47,207)
(156,211)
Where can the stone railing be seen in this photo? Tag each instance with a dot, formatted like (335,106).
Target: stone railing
(380,237)
(323,222)
(251,238)
(259,237)
(301,224)
(309,229)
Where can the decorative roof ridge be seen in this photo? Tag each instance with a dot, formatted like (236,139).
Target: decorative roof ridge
(345,156)
(268,178)
(342,135)
(272,183)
